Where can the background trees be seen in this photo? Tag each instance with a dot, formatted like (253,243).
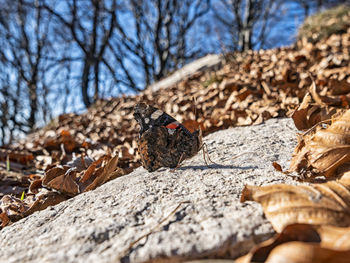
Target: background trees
(59,56)
(156,34)
(112,38)
(87,26)
(250,24)
(25,69)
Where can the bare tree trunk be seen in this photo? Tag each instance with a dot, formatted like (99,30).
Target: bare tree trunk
(85,82)
(245,36)
(156,36)
(91,33)
(306,6)
(33,105)
(97,81)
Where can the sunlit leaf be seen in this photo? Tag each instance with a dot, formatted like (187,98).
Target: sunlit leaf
(319,204)
(323,151)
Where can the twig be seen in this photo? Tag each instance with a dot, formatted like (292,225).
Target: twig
(153,229)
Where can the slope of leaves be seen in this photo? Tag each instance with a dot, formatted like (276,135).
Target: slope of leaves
(248,89)
(58,184)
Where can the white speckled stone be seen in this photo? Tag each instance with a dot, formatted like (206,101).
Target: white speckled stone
(100,225)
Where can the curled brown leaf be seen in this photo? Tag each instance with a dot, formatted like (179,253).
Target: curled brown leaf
(324,238)
(299,252)
(325,150)
(319,204)
(65,183)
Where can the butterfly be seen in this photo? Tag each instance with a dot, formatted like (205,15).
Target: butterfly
(163,141)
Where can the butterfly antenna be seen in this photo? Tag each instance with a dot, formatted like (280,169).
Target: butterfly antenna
(206,155)
(204,145)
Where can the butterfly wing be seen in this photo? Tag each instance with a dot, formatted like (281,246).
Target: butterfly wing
(163,141)
(148,117)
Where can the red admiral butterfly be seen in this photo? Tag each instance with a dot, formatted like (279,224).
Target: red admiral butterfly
(163,141)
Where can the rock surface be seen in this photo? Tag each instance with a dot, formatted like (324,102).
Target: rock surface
(208,62)
(189,213)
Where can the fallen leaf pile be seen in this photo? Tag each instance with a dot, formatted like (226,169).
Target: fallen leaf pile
(77,153)
(59,183)
(313,221)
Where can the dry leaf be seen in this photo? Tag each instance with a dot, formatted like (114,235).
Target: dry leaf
(16,156)
(13,207)
(53,173)
(298,252)
(339,87)
(4,219)
(277,167)
(326,237)
(45,200)
(80,163)
(104,174)
(308,114)
(318,204)
(35,185)
(324,150)
(323,100)
(65,183)
(294,232)
(87,174)
(301,116)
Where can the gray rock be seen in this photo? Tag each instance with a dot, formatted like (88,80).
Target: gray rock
(190,213)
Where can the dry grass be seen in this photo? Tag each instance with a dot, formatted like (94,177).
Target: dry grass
(322,25)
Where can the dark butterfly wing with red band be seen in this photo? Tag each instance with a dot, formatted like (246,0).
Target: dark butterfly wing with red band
(163,141)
